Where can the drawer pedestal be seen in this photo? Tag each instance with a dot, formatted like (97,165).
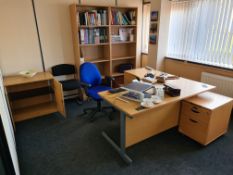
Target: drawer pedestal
(205,117)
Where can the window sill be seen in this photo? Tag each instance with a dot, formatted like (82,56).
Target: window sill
(192,62)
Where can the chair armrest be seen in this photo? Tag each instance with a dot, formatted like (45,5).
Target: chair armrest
(108,80)
(85,85)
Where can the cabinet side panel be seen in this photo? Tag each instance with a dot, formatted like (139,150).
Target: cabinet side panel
(219,121)
(58,92)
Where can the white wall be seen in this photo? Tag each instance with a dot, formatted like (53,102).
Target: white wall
(157,53)
(152,50)
(19,47)
(55,31)
(164,21)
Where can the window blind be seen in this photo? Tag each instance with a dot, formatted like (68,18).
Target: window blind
(202,31)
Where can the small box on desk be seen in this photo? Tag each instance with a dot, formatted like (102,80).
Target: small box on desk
(172,91)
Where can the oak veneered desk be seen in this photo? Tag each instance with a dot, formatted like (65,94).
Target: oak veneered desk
(35,96)
(138,125)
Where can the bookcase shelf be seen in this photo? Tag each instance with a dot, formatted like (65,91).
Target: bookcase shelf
(107,56)
(117,74)
(99,44)
(96,60)
(124,42)
(123,58)
(33,111)
(123,25)
(84,26)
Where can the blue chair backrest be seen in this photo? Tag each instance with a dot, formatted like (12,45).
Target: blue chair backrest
(90,74)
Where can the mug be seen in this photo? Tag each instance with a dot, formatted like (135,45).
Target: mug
(148,101)
(156,99)
(160,92)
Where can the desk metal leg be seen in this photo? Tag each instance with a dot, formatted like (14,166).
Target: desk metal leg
(120,149)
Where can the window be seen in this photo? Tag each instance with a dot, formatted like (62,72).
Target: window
(202,31)
(145,27)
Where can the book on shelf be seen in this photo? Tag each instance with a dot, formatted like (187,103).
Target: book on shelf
(93,36)
(124,35)
(116,38)
(92,18)
(123,18)
(82,36)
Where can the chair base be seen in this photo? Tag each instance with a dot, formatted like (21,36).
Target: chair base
(77,99)
(99,109)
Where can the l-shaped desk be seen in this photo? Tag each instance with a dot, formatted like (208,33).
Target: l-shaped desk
(138,125)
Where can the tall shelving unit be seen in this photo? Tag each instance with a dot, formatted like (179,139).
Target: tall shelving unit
(108,55)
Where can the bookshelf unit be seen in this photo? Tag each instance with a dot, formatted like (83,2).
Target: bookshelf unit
(119,31)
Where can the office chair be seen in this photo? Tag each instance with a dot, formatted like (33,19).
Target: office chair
(71,83)
(91,80)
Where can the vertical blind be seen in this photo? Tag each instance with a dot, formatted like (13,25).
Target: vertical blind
(202,31)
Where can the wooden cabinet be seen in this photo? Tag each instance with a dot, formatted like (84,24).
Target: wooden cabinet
(109,54)
(205,117)
(35,96)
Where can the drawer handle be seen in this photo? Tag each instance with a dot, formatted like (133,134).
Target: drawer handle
(194,109)
(193,121)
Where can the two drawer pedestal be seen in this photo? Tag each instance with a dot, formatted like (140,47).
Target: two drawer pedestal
(205,117)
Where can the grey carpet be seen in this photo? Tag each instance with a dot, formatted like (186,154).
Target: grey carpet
(51,145)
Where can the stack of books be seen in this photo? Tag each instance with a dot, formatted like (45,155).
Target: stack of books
(124,35)
(120,18)
(93,36)
(93,18)
(116,38)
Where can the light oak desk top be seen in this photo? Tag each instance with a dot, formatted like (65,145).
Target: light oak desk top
(210,101)
(138,125)
(19,79)
(188,88)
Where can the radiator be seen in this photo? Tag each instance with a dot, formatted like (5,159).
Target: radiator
(224,85)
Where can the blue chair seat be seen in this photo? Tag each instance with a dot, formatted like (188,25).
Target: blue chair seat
(93,91)
(68,85)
